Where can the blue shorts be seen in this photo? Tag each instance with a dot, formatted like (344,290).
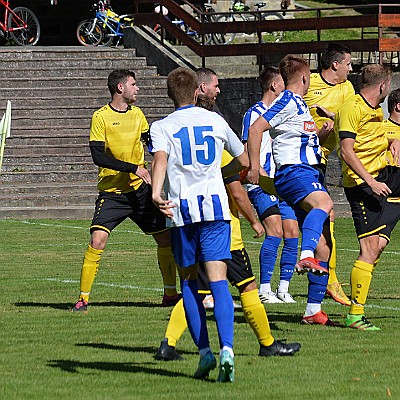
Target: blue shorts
(295,182)
(265,204)
(201,241)
(287,212)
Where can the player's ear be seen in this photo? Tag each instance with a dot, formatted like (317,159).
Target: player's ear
(119,88)
(335,65)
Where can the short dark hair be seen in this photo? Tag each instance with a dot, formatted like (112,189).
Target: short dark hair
(333,52)
(393,99)
(116,77)
(204,75)
(267,75)
(291,66)
(373,74)
(182,85)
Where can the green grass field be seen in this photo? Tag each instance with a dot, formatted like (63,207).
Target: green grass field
(46,352)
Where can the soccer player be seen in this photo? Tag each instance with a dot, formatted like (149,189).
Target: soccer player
(124,184)
(368,182)
(298,181)
(328,90)
(187,147)
(278,218)
(392,124)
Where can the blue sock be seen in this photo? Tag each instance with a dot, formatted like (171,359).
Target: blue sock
(312,229)
(195,313)
(288,258)
(317,286)
(268,255)
(223,312)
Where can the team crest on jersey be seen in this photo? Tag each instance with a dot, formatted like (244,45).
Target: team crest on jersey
(116,123)
(309,126)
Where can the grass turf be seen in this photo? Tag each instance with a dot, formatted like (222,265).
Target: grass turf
(47,352)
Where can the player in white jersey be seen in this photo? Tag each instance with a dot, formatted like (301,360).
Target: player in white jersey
(277,217)
(187,147)
(297,154)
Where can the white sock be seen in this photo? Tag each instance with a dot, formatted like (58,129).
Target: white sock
(228,349)
(311,309)
(265,288)
(306,253)
(283,286)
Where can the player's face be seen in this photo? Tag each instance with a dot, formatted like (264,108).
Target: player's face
(130,90)
(211,89)
(344,68)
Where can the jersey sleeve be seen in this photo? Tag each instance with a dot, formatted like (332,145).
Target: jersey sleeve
(144,125)
(233,145)
(158,141)
(97,128)
(347,122)
(281,109)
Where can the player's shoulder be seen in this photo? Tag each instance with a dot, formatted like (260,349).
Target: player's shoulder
(102,111)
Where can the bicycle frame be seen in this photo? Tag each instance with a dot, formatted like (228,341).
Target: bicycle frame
(3,25)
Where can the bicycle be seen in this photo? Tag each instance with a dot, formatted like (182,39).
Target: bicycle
(241,12)
(20,25)
(104,28)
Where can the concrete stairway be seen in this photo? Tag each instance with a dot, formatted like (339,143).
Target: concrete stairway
(47,169)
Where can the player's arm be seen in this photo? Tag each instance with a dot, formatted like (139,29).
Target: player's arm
(239,196)
(325,131)
(158,171)
(348,155)
(104,160)
(237,164)
(323,112)
(253,146)
(394,148)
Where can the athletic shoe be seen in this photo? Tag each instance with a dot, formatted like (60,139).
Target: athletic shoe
(312,265)
(206,364)
(226,367)
(269,298)
(286,297)
(166,352)
(169,301)
(335,291)
(360,322)
(279,348)
(319,318)
(80,306)
(208,302)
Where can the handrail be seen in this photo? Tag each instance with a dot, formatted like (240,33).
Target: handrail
(379,19)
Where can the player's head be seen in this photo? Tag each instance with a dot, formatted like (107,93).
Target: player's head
(122,82)
(207,80)
(271,79)
(337,58)
(294,70)
(393,102)
(377,77)
(182,86)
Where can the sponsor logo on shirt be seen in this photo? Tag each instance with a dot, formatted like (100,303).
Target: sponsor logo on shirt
(309,126)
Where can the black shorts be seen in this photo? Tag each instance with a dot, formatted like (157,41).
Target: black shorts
(111,209)
(239,271)
(374,214)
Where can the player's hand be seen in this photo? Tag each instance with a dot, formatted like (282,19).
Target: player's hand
(143,174)
(258,229)
(323,112)
(380,188)
(253,176)
(395,150)
(165,206)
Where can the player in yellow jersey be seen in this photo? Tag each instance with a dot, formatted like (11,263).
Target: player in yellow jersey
(391,125)
(124,187)
(369,183)
(329,89)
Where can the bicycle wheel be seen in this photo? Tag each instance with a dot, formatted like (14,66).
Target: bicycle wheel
(89,33)
(108,38)
(28,36)
(273,36)
(224,38)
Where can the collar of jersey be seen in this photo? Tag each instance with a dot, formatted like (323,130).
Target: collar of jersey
(184,107)
(122,112)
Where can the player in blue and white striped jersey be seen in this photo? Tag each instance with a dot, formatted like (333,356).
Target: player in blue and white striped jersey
(297,155)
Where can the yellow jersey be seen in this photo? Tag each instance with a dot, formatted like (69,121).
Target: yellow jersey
(392,131)
(331,97)
(121,133)
(358,118)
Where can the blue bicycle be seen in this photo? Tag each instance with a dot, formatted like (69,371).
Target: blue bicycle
(104,27)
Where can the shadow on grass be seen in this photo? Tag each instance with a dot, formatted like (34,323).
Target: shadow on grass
(68,306)
(106,346)
(72,366)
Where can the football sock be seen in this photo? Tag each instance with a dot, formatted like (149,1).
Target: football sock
(89,270)
(167,267)
(177,324)
(312,229)
(317,286)
(256,316)
(288,258)
(360,280)
(195,313)
(268,255)
(332,260)
(223,312)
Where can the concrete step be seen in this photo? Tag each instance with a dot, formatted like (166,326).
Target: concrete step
(48,187)
(51,166)
(18,159)
(57,139)
(45,149)
(54,212)
(52,176)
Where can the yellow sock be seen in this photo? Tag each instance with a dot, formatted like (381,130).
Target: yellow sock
(332,259)
(177,324)
(90,267)
(360,279)
(168,270)
(256,317)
